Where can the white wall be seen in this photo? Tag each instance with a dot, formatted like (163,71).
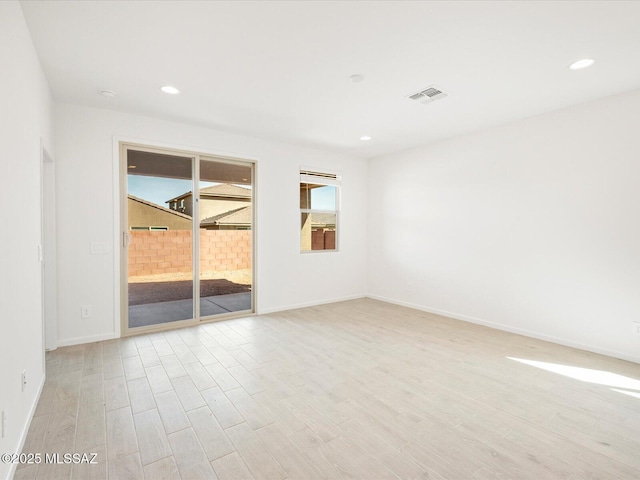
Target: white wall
(24,120)
(532,227)
(86,202)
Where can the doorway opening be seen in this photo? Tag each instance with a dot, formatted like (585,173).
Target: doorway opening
(188,237)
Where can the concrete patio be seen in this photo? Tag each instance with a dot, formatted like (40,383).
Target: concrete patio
(164,312)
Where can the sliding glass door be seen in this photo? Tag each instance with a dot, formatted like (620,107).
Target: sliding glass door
(187,238)
(225,237)
(159,239)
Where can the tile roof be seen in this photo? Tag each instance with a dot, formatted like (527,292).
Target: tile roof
(227,190)
(159,207)
(222,190)
(242,216)
(238,216)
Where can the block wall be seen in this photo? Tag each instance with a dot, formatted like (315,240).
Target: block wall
(156,253)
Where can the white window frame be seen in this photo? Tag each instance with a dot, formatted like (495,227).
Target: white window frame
(151,228)
(316,176)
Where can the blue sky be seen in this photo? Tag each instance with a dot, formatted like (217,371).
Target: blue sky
(159,189)
(323,198)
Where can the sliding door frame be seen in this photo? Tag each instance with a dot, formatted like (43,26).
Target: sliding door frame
(123,248)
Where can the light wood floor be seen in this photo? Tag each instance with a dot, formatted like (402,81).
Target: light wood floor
(357,390)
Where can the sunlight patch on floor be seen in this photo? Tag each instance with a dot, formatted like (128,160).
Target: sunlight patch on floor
(588,375)
(633,394)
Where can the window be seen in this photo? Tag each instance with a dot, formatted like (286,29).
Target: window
(319,201)
(153,229)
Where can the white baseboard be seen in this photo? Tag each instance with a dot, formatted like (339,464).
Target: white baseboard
(25,430)
(444,313)
(108,336)
(90,339)
(510,329)
(310,304)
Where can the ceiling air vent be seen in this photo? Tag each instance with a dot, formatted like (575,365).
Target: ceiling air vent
(428,95)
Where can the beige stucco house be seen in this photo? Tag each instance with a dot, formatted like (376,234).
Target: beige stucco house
(144,215)
(222,207)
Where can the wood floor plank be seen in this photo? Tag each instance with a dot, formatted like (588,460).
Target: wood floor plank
(26,472)
(187,393)
(191,460)
(165,469)
(112,367)
(223,378)
(35,436)
(133,368)
(171,412)
(110,347)
(255,414)
(184,354)
(247,380)
(357,389)
(115,393)
(90,471)
(395,460)
(211,436)
(46,397)
(317,451)
(162,347)
(121,434)
(232,467)
(245,359)
(285,418)
(199,376)
(126,468)
(222,408)
(313,418)
(158,379)
(92,389)
(140,395)
(290,457)
(203,355)
(149,356)
(152,439)
(223,356)
(173,366)
(54,471)
(91,428)
(255,454)
(173,338)
(352,460)
(143,341)
(61,428)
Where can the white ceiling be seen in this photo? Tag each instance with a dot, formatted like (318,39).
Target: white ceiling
(280,69)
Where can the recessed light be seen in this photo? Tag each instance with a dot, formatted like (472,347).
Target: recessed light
(107,93)
(356,78)
(365,138)
(580,64)
(170,90)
